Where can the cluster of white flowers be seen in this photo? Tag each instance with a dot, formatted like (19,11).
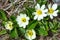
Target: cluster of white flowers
(42,12)
(39,14)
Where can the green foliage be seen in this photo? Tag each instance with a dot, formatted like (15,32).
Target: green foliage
(41,27)
(42,31)
(13,18)
(58,9)
(54,25)
(32,25)
(45,24)
(3,32)
(14,33)
(41,1)
(22,31)
(3,15)
(29,11)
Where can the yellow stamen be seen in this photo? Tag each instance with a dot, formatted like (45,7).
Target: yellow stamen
(50,11)
(10,24)
(23,19)
(39,12)
(29,33)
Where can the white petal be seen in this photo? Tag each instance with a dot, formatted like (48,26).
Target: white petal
(49,6)
(21,15)
(20,25)
(51,16)
(40,17)
(27,18)
(27,37)
(43,6)
(37,7)
(34,34)
(26,23)
(55,13)
(44,15)
(24,15)
(34,13)
(24,26)
(35,17)
(6,26)
(30,39)
(54,6)
(46,10)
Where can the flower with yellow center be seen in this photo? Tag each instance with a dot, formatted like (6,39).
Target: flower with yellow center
(22,20)
(40,12)
(52,10)
(30,34)
(8,25)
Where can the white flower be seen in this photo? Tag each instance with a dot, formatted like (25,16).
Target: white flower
(30,34)
(8,25)
(40,12)
(52,10)
(22,20)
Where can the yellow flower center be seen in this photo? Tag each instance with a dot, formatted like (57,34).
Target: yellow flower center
(39,12)
(50,11)
(23,19)
(10,25)
(30,33)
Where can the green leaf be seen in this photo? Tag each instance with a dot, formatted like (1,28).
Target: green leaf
(3,15)
(47,27)
(44,24)
(30,11)
(54,31)
(59,9)
(41,2)
(3,23)
(3,32)
(58,24)
(38,1)
(32,25)
(22,30)
(51,25)
(14,33)
(13,18)
(42,32)
(44,2)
